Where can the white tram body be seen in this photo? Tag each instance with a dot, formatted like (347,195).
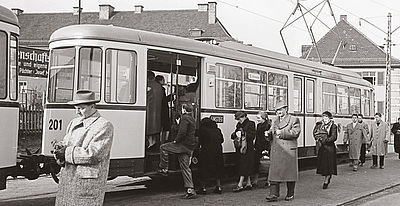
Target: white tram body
(229,76)
(9,106)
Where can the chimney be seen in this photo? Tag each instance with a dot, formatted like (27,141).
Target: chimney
(202,7)
(138,9)
(75,10)
(305,49)
(196,32)
(17,11)
(343,17)
(212,12)
(105,11)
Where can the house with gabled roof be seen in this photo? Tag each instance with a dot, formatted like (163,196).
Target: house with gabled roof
(346,47)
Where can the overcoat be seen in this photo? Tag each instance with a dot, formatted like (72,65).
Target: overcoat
(283,156)
(154,107)
(87,159)
(396,133)
(326,135)
(245,161)
(380,135)
(354,136)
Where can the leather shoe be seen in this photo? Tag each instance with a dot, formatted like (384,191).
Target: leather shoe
(272,198)
(248,187)
(238,189)
(289,198)
(325,186)
(217,190)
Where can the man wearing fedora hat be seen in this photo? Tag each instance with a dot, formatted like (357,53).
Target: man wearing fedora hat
(84,154)
(284,131)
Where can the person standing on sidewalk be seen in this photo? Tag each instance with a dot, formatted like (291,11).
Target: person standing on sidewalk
(243,138)
(261,143)
(284,131)
(353,135)
(396,133)
(380,136)
(325,135)
(183,145)
(365,139)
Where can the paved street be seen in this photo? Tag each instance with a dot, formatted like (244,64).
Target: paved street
(348,187)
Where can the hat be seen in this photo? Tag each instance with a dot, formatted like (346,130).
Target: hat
(239,115)
(84,97)
(280,105)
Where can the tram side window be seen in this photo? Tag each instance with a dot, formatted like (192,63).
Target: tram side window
(13,68)
(3,65)
(297,94)
(61,73)
(90,69)
(355,100)
(366,98)
(310,95)
(255,89)
(228,86)
(329,97)
(120,76)
(277,89)
(343,100)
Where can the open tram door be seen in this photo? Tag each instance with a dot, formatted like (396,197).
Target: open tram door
(181,85)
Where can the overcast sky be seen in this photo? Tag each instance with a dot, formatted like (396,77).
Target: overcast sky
(256,22)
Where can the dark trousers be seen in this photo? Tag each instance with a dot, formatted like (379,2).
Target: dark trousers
(274,189)
(362,153)
(375,160)
(184,155)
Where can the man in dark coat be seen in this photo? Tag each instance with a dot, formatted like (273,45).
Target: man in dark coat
(165,117)
(284,131)
(153,110)
(365,139)
(183,145)
(396,133)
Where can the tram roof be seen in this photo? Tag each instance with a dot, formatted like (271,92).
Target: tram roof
(8,16)
(229,50)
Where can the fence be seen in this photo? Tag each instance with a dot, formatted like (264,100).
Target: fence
(30,119)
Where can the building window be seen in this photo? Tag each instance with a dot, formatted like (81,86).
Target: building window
(297,94)
(310,95)
(355,100)
(228,86)
(329,97)
(381,107)
(255,89)
(369,76)
(343,100)
(277,89)
(120,76)
(366,100)
(353,47)
(90,70)
(381,79)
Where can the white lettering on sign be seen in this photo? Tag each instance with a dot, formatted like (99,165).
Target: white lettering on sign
(254,76)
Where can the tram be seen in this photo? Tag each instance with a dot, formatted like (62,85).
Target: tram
(9,106)
(217,79)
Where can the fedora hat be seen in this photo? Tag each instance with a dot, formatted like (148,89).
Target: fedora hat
(83,97)
(239,115)
(280,105)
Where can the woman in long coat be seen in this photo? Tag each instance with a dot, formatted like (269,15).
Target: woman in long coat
(396,133)
(244,136)
(325,135)
(380,136)
(261,142)
(211,162)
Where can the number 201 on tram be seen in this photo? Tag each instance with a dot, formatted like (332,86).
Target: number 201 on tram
(217,79)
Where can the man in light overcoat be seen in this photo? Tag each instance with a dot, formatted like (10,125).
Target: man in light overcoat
(284,131)
(84,154)
(380,136)
(353,135)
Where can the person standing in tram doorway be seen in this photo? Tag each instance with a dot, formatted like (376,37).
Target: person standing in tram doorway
(353,135)
(243,138)
(153,112)
(183,145)
(380,136)
(396,133)
(84,154)
(285,130)
(365,139)
(165,118)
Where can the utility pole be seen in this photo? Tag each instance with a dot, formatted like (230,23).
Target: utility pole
(79,12)
(388,110)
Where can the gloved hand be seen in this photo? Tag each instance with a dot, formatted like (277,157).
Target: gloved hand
(59,155)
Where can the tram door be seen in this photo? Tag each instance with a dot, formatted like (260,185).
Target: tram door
(179,75)
(303,105)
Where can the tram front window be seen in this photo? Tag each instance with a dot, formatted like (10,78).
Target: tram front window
(3,65)
(90,69)
(61,75)
(13,68)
